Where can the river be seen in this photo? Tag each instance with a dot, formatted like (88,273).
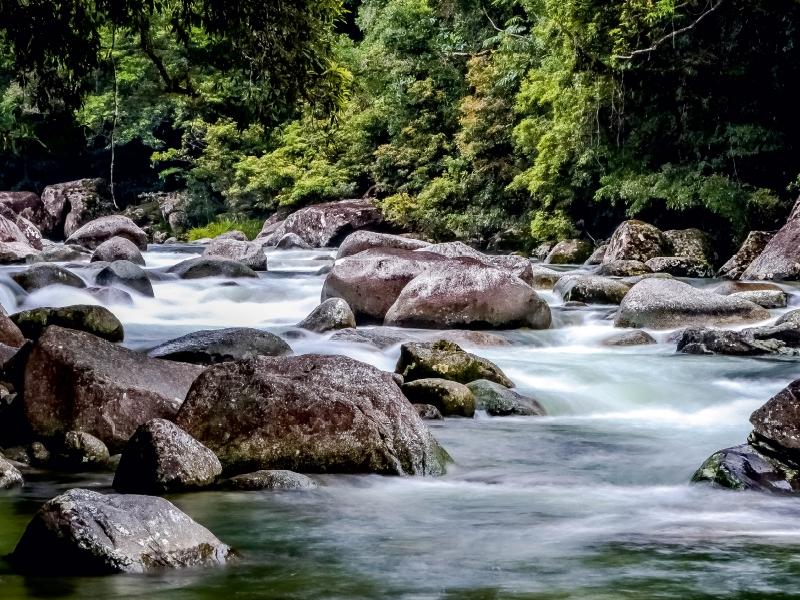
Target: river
(592,501)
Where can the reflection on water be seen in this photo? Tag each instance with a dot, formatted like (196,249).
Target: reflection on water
(590,502)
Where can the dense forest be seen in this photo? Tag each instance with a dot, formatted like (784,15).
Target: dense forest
(503,124)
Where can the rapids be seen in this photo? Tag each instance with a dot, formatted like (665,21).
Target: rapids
(592,501)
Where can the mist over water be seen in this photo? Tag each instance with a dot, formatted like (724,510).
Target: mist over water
(592,501)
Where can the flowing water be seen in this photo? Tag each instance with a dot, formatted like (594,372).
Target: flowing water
(592,501)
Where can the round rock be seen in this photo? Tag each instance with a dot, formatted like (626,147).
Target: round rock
(118,248)
(124,273)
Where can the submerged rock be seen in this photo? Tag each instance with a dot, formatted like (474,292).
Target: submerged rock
(160,457)
(39,276)
(331,315)
(734,287)
(271,480)
(500,401)
(448,397)
(118,248)
(82,532)
(380,337)
(126,274)
(311,413)
(752,247)
(445,360)
(569,252)
(211,266)
(212,346)
(110,295)
(591,289)
(96,320)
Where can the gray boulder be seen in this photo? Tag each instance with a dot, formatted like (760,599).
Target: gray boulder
(41,275)
(780,259)
(500,401)
(311,413)
(792,317)
(781,339)
(211,266)
(519,266)
(292,241)
(543,278)
(123,273)
(667,304)
(449,397)
(636,240)
(95,232)
(734,287)
(108,295)
(10,477)
(681,266)
(569,252)
(82,451)
(271,480)
(14,253)
(82,532)
(118,248)
(58,253)
(160,457)
(445,360)
(750,249)
(629,338)
(591,289)
(233,235)
(75,381)
(331,315)
(364,240)
(30,232)
(623,268)
(96,320)
(250,254)
(380,337)
(428,412)
(764,298)
(214,346)
(745,468)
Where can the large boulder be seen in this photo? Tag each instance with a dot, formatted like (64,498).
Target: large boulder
(81,451)
(124,273)
(765,298)
(211,266)
(10,477)
(331,315)
(96,320)
(597,256)
(29,206)
(94,233)
(499,401)
(292,241)
(59,253)
(75,381)
(591,289)
(780,259)
(691,243)
(364,240)
(569,252)
(13,253)
(735,287)
(250,254)
(449,397)
(42,275)
(160,457)
(667,304)
(445,360)
(468,294)
(636,240)
(83,532)
(221,345)
(118,248)
(777,422)
(745,468)
(750,249)
(623,268)
(72,204)
(310,413)
(681,266)
(327,225)
(518,266)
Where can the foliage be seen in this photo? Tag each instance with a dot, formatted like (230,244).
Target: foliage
(251,228)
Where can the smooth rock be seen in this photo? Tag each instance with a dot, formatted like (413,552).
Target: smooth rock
(780,339)
(82,451)
(477,339)
(569,252)
(331,315)
(271,480)
(591,289)
(75,381)
(118,248)
(449,397)
(311,413)
(123,273)
(109,295)
(764,298)
(210,266)
(500,401)
(750,249)
(519,266)
(41,275)
(792,317)
(250,254)
(94,233)
(445,360)
(364,240)
(667,304)
(734,287)
(58,253)
(212,346)
(74,203)
(427,412)
(233,235)
(629,338)
(10,334)
(292,241)
(83,532)
(12,253)
(96,320)
(160,457)
(636,240)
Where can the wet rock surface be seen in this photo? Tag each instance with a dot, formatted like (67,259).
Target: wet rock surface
(41,275)
(250,254)
(83,532)
(118,248)
(681,266)
(448,397)
(331,315)
(629,338)
(446,360)
(211,266)
(623,268)
(96,320)
(123,273)
(271,480)
(214,346)
(10,477)
(499,401)
(636,240)
(96,232)
(428,412)
(591,289)
(364,240)
(569,252)
(780,340)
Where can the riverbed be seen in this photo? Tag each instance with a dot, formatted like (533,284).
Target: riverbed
(592,501)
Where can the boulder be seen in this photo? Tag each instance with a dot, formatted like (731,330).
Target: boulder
(777,422)
(364,240)
(72,204)
(780,259)
(781,339)
(124,273)
(30,232)
(271,225)
(221,345)
(12,253)
(667,304)
(467,337)
(629,338)
(211,266)
(9,232)
(250,254)
(445,360)
(428,412)
(327,225)
(112,296)
(96,320)
(745,468)
(82,451)
(680,266)
(292,241)
(271,480)
(792,317)
(734,287)
(75,381)
(500,401)
(380,337)
(543,278)
(513,264)
(623,268)
(764,298)
(118,248)
(29,206)
(178,221)
(94,233)
(10,334)
(58,253)
(597,256)
(233,235)
(591,289)
(312,413)
(569,252)
(541,252)
(468,295)
(160,458)
(448,397)
(10,477)
(331,315)
(42,275)
(83,532)
(750,249)
(636,240)
(693,244)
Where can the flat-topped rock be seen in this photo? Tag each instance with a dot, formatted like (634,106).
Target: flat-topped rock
(96,320)
(445,360)
(331,315)
(214,346)
(211,266)
(250,254)
(591,289)
(681,266)
(271,480)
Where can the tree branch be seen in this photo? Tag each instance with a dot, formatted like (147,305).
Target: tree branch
(669,36)
(171,86)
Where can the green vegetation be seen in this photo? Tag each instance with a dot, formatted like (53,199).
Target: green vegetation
(251,228)
(516,122)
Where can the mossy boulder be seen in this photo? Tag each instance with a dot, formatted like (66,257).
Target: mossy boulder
(500,401)
(449,397)
(445,360)
(96,320)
